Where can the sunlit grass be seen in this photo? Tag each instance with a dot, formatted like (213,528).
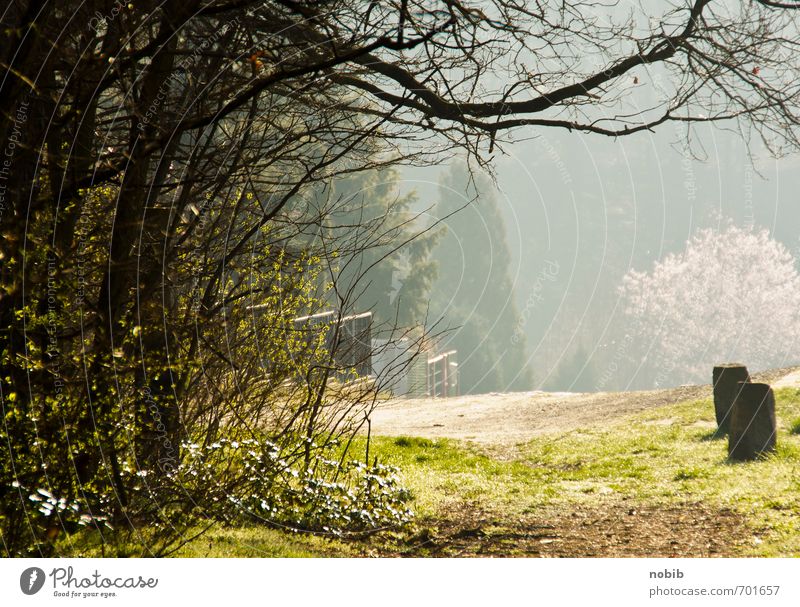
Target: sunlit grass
(664,456)
(668,455)
(217,542)
(261,542)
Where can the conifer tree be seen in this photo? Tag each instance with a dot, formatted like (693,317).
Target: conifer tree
(474,295)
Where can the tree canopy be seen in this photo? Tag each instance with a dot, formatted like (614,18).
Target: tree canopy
(160,235)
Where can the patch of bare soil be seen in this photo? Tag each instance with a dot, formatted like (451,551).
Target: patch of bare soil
(613,529)
(516,417)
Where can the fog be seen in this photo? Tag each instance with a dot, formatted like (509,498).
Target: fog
(580,212)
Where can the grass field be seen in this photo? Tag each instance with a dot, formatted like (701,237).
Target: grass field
(665,459)
(654,484)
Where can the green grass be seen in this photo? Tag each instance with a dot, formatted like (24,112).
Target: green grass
(217,542)
(664,456)
(261,542)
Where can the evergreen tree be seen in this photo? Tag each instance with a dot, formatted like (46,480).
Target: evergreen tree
(575,373)
(389,270)
(474,294)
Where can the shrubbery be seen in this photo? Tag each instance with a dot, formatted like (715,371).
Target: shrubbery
(324,494)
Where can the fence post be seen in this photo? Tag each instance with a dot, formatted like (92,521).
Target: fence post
(726,379)
(752,424)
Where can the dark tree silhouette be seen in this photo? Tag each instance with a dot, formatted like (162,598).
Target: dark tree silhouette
(154,161)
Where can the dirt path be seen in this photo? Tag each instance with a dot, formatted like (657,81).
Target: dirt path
(516,417)
(615,528)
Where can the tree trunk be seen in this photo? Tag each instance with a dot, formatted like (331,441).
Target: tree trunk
(752,425)
(726,379)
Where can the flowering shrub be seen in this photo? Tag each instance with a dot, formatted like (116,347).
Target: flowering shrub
(730,295)
(49,514)
(235,481)
(323,495)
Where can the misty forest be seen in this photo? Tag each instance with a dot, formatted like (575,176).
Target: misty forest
(400,278)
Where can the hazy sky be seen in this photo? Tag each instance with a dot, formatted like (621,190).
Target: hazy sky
(599,206)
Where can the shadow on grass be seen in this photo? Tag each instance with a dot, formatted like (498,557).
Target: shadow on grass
(713,435)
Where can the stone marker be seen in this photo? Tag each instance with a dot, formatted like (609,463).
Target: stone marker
(752,422)
(725,379)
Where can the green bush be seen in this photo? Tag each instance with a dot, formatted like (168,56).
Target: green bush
(323,495)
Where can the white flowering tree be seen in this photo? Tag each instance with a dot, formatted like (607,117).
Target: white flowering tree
(730,295)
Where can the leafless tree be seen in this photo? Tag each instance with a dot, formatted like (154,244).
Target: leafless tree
(155,158)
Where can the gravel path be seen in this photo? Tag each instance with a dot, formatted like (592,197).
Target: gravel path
(516,417)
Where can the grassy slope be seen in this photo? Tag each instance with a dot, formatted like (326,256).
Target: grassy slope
(663,456)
